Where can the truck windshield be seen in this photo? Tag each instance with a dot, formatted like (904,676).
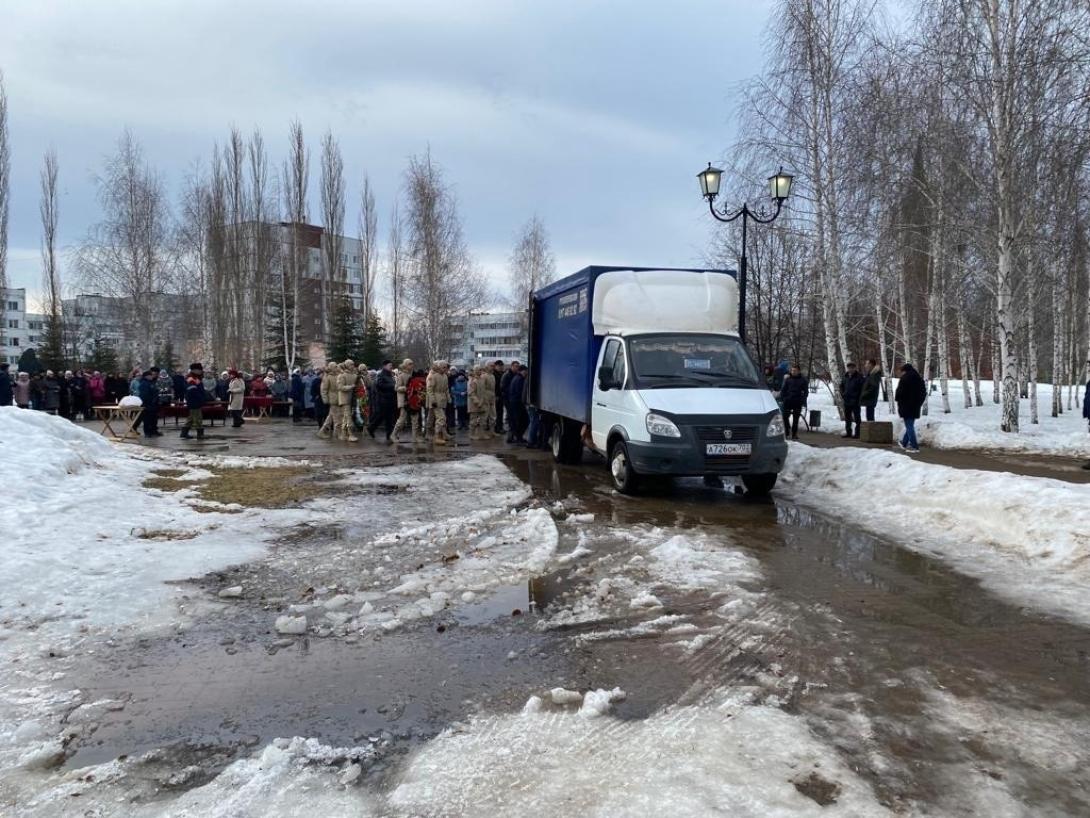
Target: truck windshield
(665,361)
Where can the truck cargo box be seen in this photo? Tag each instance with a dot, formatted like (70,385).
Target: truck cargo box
(569,318)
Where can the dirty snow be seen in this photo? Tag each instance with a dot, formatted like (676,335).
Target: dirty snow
(727,757)
(1025,538)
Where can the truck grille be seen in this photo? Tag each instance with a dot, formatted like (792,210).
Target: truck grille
(725,463)
(714,434)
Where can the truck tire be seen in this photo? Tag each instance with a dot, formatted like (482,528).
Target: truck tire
(759,485)
(625,479)
(565,441)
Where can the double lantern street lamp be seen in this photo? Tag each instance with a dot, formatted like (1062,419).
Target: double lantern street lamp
(779,188)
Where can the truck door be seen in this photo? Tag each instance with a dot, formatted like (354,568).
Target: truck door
(609,405)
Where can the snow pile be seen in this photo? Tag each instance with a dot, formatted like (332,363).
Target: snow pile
(1025,538)
(978,426)
(77,552)
(727,758)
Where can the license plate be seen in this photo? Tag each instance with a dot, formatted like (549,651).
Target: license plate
(729,448)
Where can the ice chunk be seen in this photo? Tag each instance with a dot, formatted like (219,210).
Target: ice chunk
(645,600)
(232,592)
(533,705)
(560,695)
(291,624)
(337,602)
(351,773)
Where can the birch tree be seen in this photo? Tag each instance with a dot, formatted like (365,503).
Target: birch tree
(368,237)
(48,210)
(531,265)
(331,283)
(5,190)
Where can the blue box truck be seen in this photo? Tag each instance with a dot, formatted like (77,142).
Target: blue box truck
(645,366)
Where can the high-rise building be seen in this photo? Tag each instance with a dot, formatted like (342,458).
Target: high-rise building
(489,336)
(22,330)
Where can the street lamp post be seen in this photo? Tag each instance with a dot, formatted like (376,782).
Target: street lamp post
(779,188)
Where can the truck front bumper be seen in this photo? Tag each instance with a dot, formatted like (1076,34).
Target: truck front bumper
(686,456)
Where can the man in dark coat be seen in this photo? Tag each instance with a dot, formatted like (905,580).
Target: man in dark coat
(148,392)
(794,395)
(7,394)
(500,374)
(851,392)
(384,403)
(195,398)
(516,406)
(872,388)
(297,393)
(910,396)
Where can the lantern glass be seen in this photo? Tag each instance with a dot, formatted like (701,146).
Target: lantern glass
(780,185)
(709,181)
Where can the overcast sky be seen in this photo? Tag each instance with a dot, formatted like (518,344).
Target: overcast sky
(595,115)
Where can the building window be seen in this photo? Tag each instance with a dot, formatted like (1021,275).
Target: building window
(13,305)
(15,342)
(33,339)
(13,323)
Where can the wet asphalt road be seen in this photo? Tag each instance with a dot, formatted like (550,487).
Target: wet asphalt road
(930,686)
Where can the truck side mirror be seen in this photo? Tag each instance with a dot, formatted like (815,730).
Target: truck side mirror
(605,378)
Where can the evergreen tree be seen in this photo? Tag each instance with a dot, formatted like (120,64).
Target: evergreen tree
(374,349)
(103,357)
(29,363)
(165,357)
(51,352)
(346,340)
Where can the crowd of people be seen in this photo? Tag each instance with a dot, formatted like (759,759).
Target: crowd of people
(344,399)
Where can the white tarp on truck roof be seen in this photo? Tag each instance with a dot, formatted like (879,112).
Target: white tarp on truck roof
(665,301)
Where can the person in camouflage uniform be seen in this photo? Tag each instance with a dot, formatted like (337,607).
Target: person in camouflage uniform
(346,390)
(327,392)
(401,386)
(362,398)
(488,391)
(478,400)
(438,387)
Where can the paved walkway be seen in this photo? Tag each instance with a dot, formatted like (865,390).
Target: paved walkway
(1032,465)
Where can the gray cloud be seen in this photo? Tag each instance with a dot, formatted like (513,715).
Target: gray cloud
(596,115)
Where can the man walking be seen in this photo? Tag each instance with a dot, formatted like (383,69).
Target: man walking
(795,393)
(438,392)
(236,398)
(384,406)
(328,398)
(401,389)
(851,392)
(872,387)
(910,396)
(346,391)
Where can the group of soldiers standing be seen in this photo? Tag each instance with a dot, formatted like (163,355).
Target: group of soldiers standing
(419,402)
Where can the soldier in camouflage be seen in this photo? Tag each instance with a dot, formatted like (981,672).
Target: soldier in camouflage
(327,392)
(401,387)
(346,391)
(438,392)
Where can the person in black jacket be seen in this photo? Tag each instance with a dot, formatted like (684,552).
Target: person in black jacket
(6,391)
(851,391)
(384,403)
(148,392)
(297,394)
(910,396)
(794,395)
(195,397)
(872,387)
(516,406)
(503,379)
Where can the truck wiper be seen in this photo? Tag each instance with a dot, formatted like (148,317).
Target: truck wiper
(725,376)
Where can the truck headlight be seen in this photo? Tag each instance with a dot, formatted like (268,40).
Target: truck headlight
(775,426)
(663,427)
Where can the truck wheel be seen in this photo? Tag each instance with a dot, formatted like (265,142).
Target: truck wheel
(759,485)
(565,442)
(625,480)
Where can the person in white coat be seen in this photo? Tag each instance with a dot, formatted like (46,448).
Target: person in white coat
(236,392)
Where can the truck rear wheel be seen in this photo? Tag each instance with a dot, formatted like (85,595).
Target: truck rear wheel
(759,485)
(565,441)
(625,480)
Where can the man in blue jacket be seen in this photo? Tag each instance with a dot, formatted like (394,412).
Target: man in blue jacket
(195,397)
(148,392)
(297,395)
